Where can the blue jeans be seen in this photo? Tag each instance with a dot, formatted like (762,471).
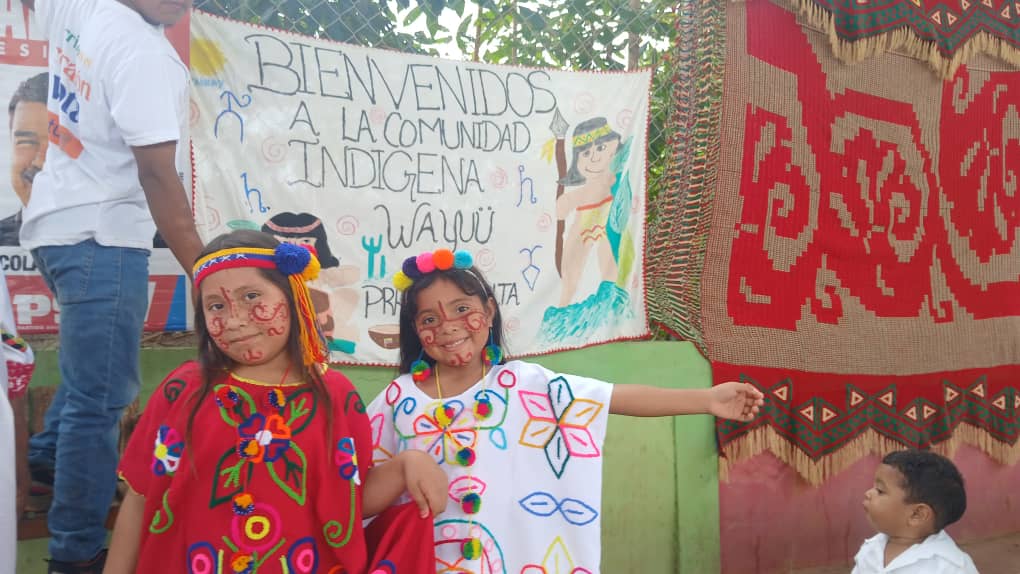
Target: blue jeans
(103,294)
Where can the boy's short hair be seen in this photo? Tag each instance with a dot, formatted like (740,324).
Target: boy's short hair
(931,479)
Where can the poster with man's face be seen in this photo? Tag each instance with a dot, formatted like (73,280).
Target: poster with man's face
(23,87)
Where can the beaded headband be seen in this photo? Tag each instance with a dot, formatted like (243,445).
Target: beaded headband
(415,268)
(299,263)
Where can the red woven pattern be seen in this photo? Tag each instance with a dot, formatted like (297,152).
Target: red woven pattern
(866,235)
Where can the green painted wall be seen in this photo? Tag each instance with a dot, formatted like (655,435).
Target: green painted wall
(661,499)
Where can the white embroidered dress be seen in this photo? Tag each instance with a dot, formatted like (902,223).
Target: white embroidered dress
(525,440)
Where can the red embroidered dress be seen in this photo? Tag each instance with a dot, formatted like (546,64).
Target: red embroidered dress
(261,487)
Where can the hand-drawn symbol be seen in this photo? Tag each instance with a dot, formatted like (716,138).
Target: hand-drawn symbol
(498,178)
(347,225)
(525,181)
(531,271)
(373,247)
(485,259)
(512,324)
(249,191)
(625,118)
(583,103)
(544,222)
(273,150)
(231,99)
(212,218)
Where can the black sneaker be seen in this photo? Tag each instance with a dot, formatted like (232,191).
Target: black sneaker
(94,566)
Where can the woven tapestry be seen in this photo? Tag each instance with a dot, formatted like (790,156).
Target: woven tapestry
(863,263)
(944,34)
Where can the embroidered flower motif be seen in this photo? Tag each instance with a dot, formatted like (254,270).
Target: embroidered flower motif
(262,438)
(558,423)
(166,454)
(557,561)
(446,432)
(203,557)
(244,504)
(347,459)
(241,563)
(259,531)
(276,399)
(227,397)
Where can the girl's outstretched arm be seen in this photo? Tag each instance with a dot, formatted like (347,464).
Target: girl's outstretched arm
(413,471)
(127,535)
(737,401)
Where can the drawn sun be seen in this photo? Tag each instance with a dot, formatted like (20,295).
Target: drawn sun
(206,57)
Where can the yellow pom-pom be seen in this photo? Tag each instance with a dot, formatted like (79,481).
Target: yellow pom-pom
(311,272)
(401,281)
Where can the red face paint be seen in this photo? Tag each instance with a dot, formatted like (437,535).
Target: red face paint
(275,320)
(452,325)
(246,315)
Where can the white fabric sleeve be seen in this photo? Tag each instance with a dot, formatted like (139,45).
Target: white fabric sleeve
(142,95)
(384,438)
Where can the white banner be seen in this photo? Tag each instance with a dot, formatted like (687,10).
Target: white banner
(24,86)
(374,156)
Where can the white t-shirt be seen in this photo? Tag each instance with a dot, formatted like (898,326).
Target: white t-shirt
(115,82)
(938,554)
(534,460)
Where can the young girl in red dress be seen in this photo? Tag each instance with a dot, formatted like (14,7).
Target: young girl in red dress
(258,458)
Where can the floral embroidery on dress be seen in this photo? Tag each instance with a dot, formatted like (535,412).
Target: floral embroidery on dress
(347,459)
(262,438)
(166,454)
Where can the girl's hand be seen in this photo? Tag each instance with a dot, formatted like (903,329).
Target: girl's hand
(426,482)
(735,401)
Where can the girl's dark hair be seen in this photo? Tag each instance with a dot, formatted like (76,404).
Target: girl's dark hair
(285,223)
(471,282)
(574,176)
(214,363)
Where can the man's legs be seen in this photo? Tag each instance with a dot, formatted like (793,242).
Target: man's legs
(42,446)
(103,294)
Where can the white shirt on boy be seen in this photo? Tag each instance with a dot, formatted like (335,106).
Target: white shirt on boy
(937,554)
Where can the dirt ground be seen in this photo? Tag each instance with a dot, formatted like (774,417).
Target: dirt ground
(992,556)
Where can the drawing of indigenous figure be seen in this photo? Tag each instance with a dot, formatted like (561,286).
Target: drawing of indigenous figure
(593,211)
(334,300)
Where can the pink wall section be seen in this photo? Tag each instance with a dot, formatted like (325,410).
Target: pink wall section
(772,520)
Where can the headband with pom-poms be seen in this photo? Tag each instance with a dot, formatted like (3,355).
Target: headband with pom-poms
(299,264)
(415,268)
